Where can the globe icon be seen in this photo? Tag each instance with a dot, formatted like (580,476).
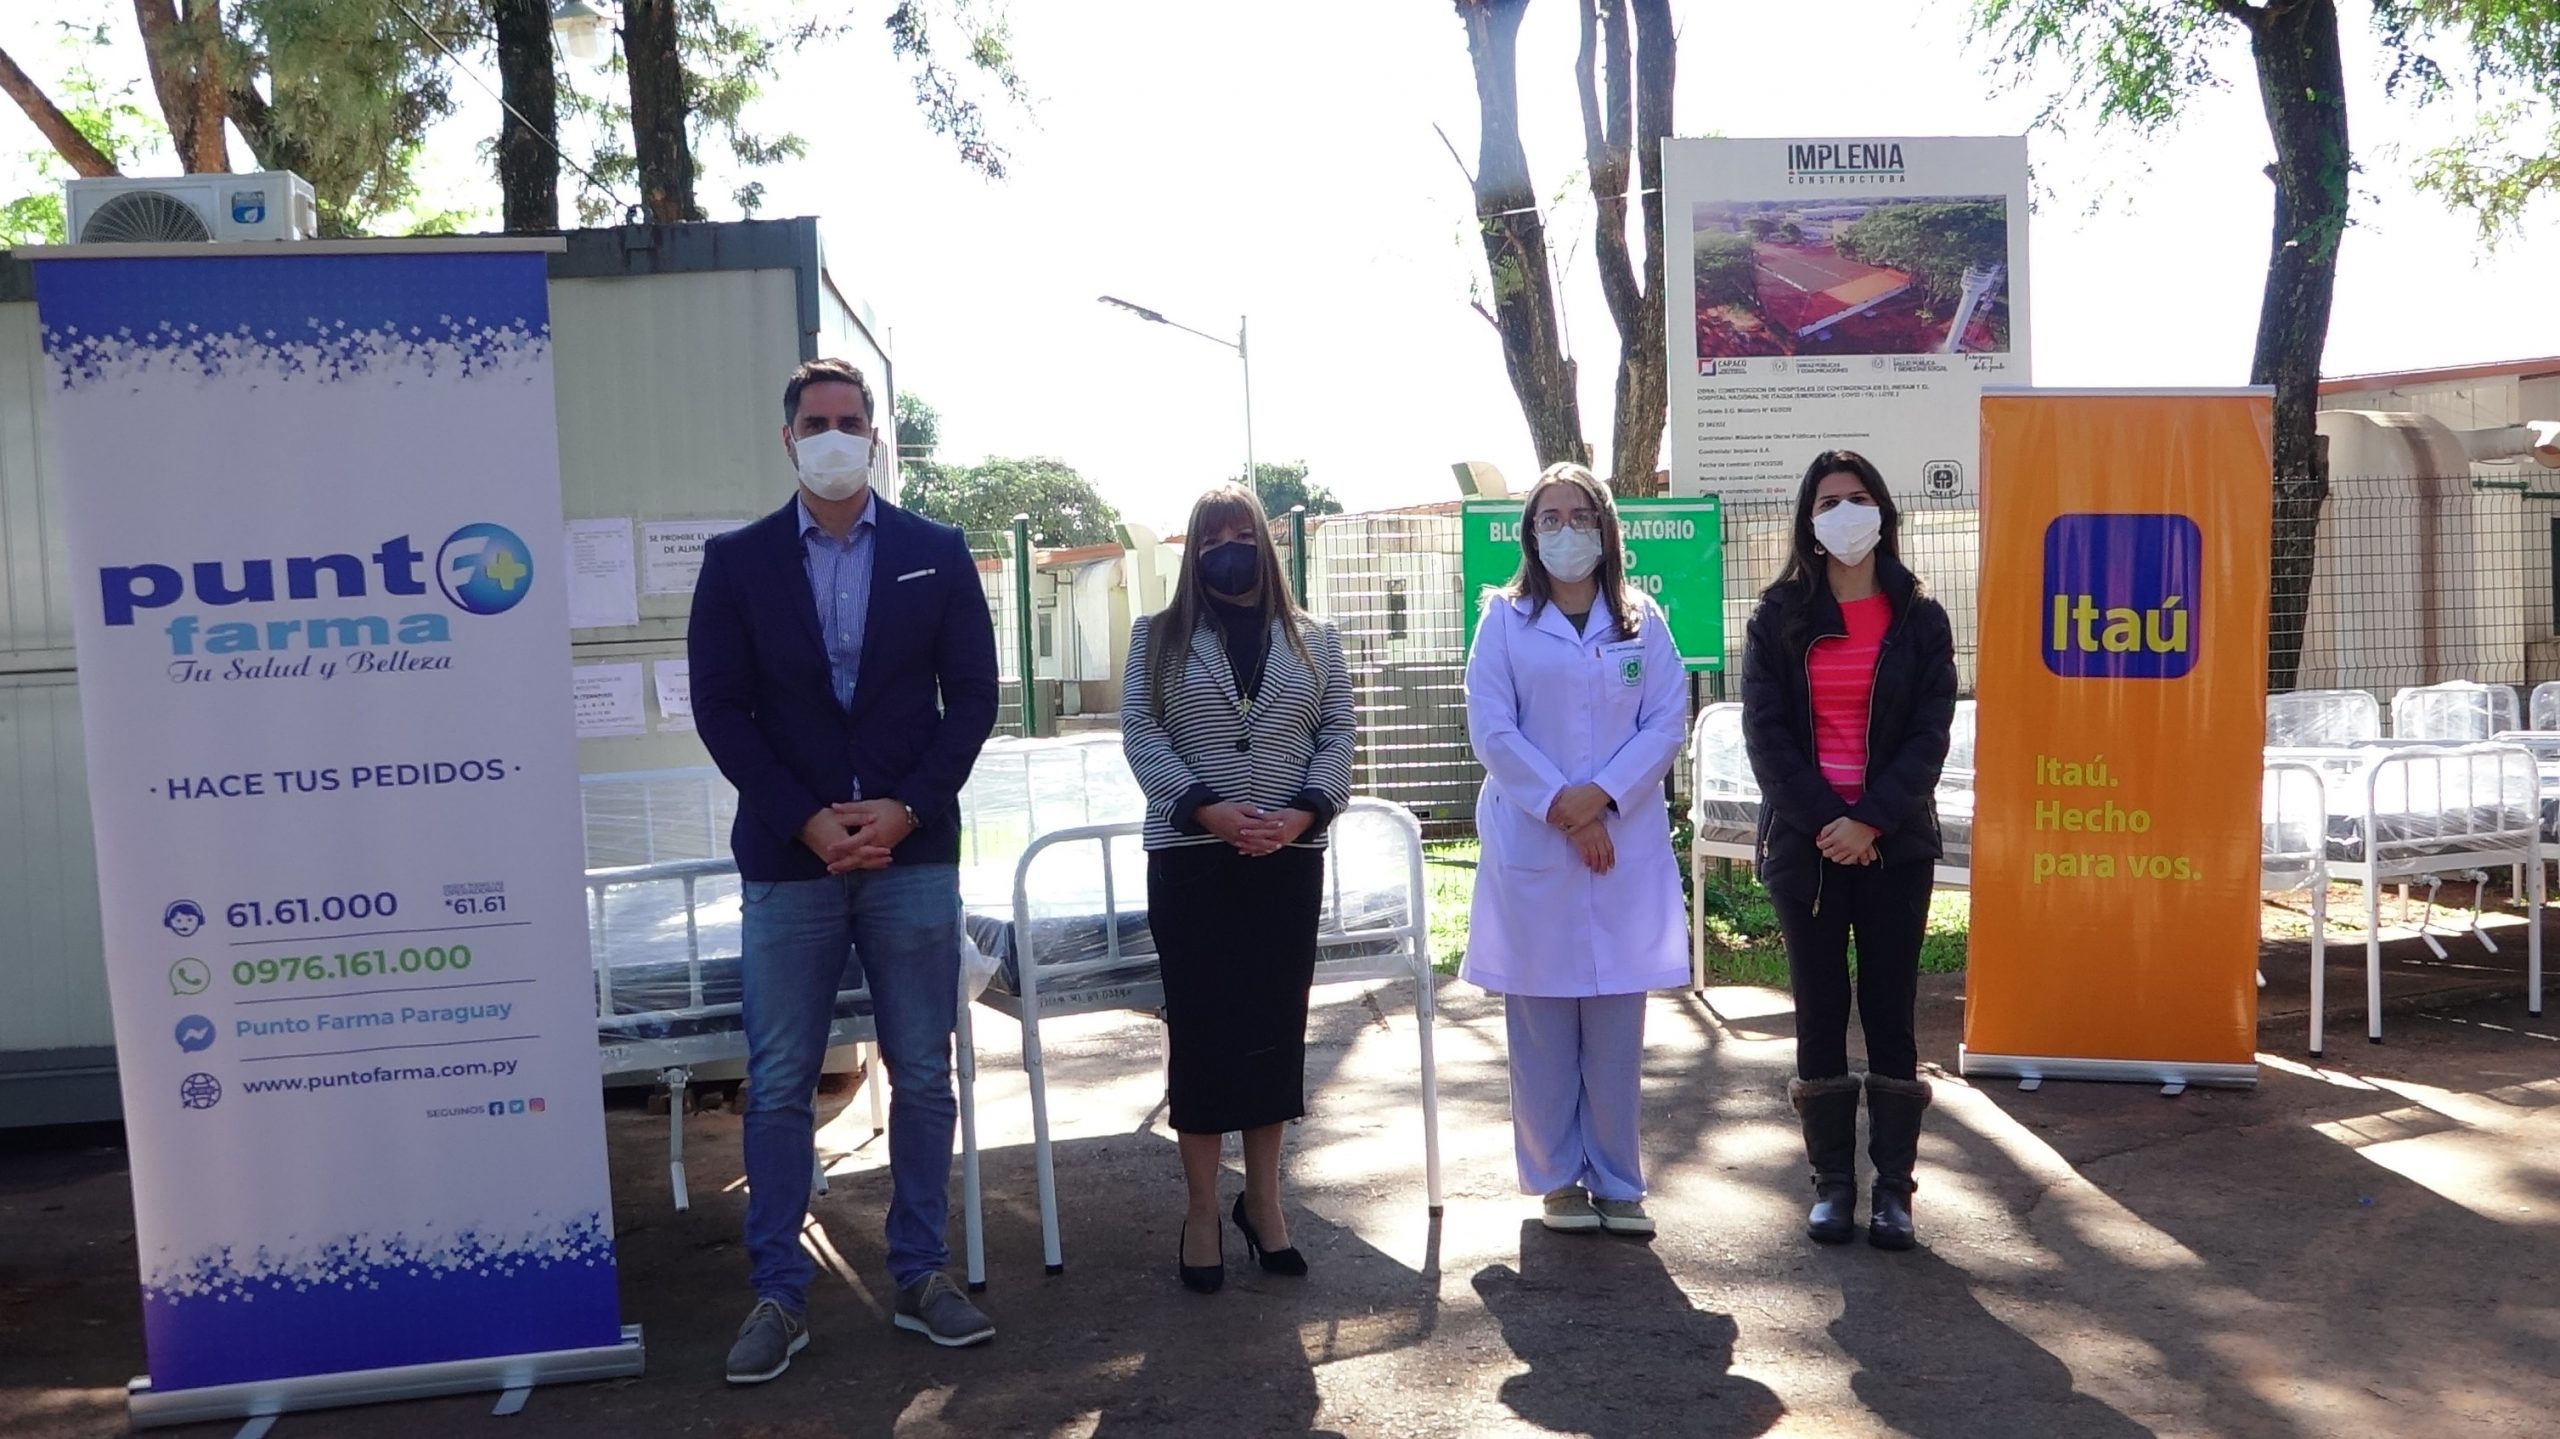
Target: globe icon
(200,1091)
(484,569)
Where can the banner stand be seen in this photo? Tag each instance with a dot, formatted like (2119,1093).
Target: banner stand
(2119,760)
(2164,1072)
(324,676)
(513,1374)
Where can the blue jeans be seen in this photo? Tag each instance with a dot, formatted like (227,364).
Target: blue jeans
(903,925)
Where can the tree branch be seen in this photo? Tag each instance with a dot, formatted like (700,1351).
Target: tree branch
(2247,14)
(158,21)
(212,147)
(67,141)
(1605,145)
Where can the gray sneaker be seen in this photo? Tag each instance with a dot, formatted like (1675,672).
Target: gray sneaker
(1569,1211)
(766,1342)
(935,1308)
(1623,1216)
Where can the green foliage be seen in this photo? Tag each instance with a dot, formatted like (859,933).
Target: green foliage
(1283,487)
(1724,269)
(919,427)
(1065,508)
(352,88)
(106,114)
(2136,63)
(726,66)
(2129,62)
(942,93)
(2497,171)
(1935,242)
(2511,156)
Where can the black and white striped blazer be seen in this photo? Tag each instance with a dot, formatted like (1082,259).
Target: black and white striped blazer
(1300,723)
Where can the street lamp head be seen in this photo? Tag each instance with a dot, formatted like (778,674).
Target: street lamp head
(1141,311)
(581,27)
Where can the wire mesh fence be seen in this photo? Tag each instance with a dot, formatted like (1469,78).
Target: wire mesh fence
(2409,582)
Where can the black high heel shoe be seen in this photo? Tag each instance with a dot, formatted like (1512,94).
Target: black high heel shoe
(1199,1278)
(1273,1261)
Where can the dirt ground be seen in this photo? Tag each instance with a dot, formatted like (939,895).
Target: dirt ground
(2360,1246)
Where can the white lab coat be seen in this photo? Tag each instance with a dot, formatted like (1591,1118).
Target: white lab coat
(1548,708)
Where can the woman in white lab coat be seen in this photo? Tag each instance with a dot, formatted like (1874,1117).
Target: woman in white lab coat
(1576,704)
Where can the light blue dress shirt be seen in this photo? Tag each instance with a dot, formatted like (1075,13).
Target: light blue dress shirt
(840,579)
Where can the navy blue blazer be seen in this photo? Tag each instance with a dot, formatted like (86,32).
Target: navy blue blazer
(764,698)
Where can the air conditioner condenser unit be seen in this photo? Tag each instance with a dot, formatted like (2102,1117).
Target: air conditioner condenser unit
(119,209)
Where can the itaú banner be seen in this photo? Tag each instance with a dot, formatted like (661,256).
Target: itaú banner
(2123,680)
(312,499)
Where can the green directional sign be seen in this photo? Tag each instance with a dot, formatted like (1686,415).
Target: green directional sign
(1674,552)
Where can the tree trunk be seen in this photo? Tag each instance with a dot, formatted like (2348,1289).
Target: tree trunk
(528,166)
(1515,239)
(212,92)
(651,49)
(65,137)
(1621,140)
(185,56)
(2302,81)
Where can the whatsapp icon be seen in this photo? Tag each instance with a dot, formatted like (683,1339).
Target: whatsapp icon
(190,976)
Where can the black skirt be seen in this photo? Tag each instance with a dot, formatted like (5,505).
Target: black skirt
(1237,940)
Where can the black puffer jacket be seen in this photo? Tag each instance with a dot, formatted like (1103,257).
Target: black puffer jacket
(1908,718)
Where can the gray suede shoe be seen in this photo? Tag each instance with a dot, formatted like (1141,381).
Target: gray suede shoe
(1623,1216)
(766,1342)
(1569,1211)
(935,1308)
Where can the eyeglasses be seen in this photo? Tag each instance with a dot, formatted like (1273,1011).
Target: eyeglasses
(1551,522)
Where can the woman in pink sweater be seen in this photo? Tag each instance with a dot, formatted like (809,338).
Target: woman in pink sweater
(1848,693)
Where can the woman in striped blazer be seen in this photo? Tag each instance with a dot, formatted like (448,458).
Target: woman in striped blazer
(1235,710)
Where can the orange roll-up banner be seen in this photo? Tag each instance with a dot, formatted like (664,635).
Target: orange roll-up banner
(2122,684)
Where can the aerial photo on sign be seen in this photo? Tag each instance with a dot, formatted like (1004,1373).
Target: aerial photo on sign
(1833,276)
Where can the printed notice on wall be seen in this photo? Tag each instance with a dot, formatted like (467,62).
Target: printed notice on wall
(601,593)
(1840,294)
(671,553)
(675,693)
(608,699)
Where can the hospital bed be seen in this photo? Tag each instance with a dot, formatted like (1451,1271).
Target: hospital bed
(1073,939)
(1724,809)
(1053,896)
(663,940)
(2401,812)
(2293,825)
(2457,713)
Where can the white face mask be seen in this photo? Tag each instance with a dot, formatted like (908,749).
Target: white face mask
(833,464)
(1570,555)
(1848,531)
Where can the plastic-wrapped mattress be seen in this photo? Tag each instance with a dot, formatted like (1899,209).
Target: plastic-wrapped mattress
(2427,801)
(1090,931)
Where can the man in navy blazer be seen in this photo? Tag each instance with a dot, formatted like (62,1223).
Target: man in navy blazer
(844,678)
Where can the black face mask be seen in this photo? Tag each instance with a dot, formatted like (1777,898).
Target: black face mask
(1231,569)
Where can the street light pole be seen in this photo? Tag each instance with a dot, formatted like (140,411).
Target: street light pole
(1252,481)
(1239,344)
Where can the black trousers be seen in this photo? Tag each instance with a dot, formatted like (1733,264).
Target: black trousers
(1887,909)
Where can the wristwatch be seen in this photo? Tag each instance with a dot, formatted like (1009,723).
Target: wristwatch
(913,823)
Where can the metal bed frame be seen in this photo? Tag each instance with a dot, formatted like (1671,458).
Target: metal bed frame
(2287,786)
(676,1061)
(2473,834)
(1047,990)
